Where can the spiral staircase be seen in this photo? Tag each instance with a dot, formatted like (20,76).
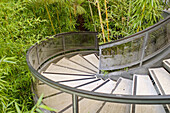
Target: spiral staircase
(130,75)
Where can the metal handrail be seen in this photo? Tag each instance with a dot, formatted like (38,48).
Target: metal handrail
(106,51)
(130,99)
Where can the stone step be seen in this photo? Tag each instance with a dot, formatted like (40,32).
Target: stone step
(46,90)
(78,82)
(123,87)
(162,79)
(93,59)
(142,85)
(107,88)
(59,69)
(92,106)
(61,77)
(65,62)
(84,62)
(166,64)
(91,86)
(59,100)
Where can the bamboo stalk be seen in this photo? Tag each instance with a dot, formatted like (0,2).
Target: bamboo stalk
(92,16)
(130,4)
(34,12)
(75,11)
(58,20)
(139,28)
(50,18)
(101,22)
(107,21)
(69,3)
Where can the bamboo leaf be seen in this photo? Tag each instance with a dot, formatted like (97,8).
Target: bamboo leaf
(46,107)
(39,100)
(38,110)
(17,108)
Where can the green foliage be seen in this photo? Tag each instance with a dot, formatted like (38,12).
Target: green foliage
(19,29)
(125,17)
(36,108)
(25,22)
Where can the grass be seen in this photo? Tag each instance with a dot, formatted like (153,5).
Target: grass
(19,29)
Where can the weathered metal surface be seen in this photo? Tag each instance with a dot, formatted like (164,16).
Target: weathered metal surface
(137,48)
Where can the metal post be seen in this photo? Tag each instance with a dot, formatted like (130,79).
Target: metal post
(144,48)
(75,103)
(63,42)
(37,55)
(96,42)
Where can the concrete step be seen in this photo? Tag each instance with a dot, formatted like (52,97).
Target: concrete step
(91,86)
(58,101)
(61,100)
(162,79)
(92,106)
(46,90)
(61,77)
(59,69)
(142,85)
(107,88)
(123,87)
(78,82)
(93,59)
(65,62)
(166,64)
(82,61)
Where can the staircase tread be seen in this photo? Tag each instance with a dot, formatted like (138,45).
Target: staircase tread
(168,60)
(77,83)
(161,78)
(91,86)
(82,61)
(92,106)
(93,59)
(60,77)
(124,86)
(142,85)
(67,63)
(58,69)
(143,82)
(46,90)
(166,64)
(59,101)
(107,88)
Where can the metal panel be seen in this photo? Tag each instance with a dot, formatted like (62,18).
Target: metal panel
(33,57)
(61,43)
(47,49)
(122,54)
(158,38)
(135,49)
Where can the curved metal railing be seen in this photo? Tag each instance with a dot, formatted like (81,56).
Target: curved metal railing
(134,50)
(63,43)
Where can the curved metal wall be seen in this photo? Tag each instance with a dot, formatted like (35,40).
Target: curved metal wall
(61,43)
